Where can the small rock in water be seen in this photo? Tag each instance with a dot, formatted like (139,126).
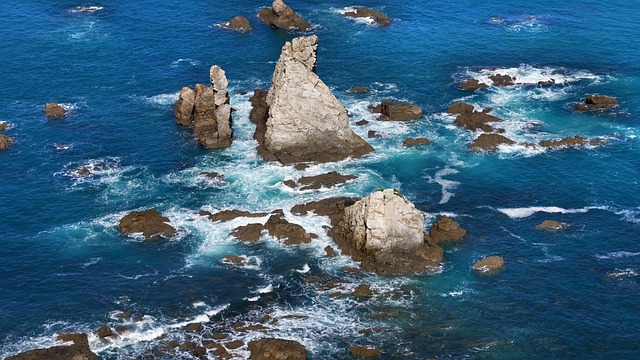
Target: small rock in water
(103,332)
(550,225)
(410,142)
(489,265)
(489,142)
(392,111)
(150,223)
(502,80)
(5,141)
(277,349)
(248,233)
(78,350)
(238,23)
(359,89)
(363,352)
(54,110)
(445,229)
(362,291)
(235,260)
(566,142)
(473,84)
(281,16)
(375,16)
(362,122)
(372,134)
(596,103)
(330,252)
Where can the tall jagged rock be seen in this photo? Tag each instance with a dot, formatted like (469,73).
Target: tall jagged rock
(281,16)
(306,121)
(386,232)
(207,109)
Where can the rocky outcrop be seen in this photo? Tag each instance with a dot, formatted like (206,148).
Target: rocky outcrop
(306,122)
(5,141)
(79,350)
(248,233)
(150,223)
(375,16)
(410,142)
(502,80)
(391,111)
(289,233)
(551,225)
(472,120)
(597,103)
(238,23)
(472,84)
(330,207)
(358,90)
(327,180)
(276,349)
(566,142)
(363,352)
(489,142)
(227,215)
(460,108)
(386,233)
(207,110)
(54,110)
(445,229)
(362,122)
(489,265)
(259,114)
(281,16)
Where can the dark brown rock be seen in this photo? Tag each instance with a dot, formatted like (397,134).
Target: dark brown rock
(219,336)
(195,327)
(362,291)
(236,260)
(327,180)
(476,120)
(330,252)
(361,12)
(232,345)
(276,349)
(150,223)
(78,351)
(103,332)
(359,89)
(597,102)
(226,215)
(472,84)
(550,225)
(362,122)
(212,175)
(238,23)
(4,126)
(551,81)
(372,134)
(566,142)
(199,351)
(410,142)
(259,114)
(398,111)
(445,229)
(54,110)
(489,142)
(248,233)
(331,207)
(489,265)
(291,234)
(5,141)
(460,108)
(281,16)
(502,80)
(363,352)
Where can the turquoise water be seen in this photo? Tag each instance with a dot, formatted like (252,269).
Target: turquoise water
(64,266)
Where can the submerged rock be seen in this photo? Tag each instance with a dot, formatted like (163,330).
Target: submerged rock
(391,111)
(306,122)
(207,110)
(54,110)
(362,12)
(597,102)
(5,141)
(410,142)
(445,229)
(489,142)
(473,84)
(362,122)
(362,291)
(79,350)
(386,232)
(489,265)
(281,16)
(363,352)
(551,225)
(276,349)
(327,180)
(238,23)
(358,90)
(150,223)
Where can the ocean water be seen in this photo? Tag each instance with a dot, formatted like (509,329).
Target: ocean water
(563,295)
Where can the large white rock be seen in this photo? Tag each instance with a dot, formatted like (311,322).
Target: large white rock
(385,220)
(306,121)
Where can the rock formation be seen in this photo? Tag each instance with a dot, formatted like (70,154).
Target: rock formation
(248,233)
(358,90)
(410,142)
(489,142)
(226,215)
(5,141)
(361,12)
(306,122)
(4,126)
(363,352)
(550,225)
(150,223)
(473,84)
(207,110)
(238,23)
(472,120)
(445,229)
(276,349)
(281,16)
(460,108)
(502,80)
(327,180)
(386,232)
(54,110)
(570,142)
(79,350)
(489,265)
(597,102)
(391,111)
(289,233)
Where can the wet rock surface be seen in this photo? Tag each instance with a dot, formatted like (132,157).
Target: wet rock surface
(472,84)
(227,215)
(361,12)
(472,120)
(79,350)
(551,225)
(327,180)
(54,110)
(445,229)
(393,111)
(238,23)
(597,103)
(411,142)
(289,233)
(489,142)
(281,16)
(276,349)
(150,223)
(363,352)
(489,265)
(5,141)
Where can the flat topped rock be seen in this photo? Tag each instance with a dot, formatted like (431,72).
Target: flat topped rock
(331,207)
(596,103)
(551,225)
(289,233)
(150,223)
(327,180)
(281,16)
(78,351)
(489,265)
(238,23)
(276,349)
(489,142)
(393,111)
(502,80)
(411,142)
(248,233)
(227,215)
(460,108)
(362,12)
(54,110)
(445,229)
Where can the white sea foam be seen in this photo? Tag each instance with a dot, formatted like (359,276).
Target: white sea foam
(88,9)
(617,255)
(530,75)
(444,183)
(523,212)
(265,290)
(163,99)
(92,261)
(624,273)
(189,61)
(365,20)
(305,269)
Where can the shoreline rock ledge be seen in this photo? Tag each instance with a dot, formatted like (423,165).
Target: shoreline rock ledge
(79,350)
(306,122)
(386,232)
(207,109)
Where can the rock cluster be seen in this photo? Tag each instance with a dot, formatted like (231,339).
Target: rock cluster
(79,350)
(276,226)
(207,110)
(150,223)
(597,102)
(238,23)
(363,352)
(276,349)
(362,12)
(54,110)
(392,111)
(281,16)
(327,180)
(306,123)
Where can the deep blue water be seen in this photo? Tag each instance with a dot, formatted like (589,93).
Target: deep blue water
(64,266)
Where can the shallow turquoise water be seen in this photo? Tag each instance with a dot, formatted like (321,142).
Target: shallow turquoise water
(65,267)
